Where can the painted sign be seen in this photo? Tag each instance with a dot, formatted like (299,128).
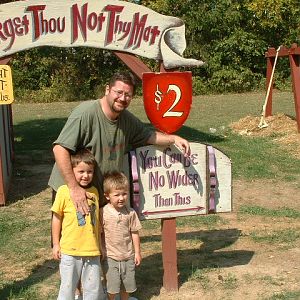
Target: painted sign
(6,86)
(166,184)
(167,99)
(113,25)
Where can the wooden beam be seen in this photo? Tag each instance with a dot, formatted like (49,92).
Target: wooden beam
(169,254)
(169,248)
(3,61)
(134,63)
(2,189)
(295,71)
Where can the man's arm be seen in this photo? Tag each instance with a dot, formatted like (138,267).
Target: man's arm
(77,193)
(56,232)
(102,235)
(159,138)
(137,247)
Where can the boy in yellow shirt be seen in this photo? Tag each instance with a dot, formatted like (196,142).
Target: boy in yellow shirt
(76,237)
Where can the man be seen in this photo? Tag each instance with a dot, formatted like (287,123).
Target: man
(109,130)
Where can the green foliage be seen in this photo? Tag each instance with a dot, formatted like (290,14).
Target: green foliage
(230,36)
(49,74)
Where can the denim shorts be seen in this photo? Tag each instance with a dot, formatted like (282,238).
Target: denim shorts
(74,268)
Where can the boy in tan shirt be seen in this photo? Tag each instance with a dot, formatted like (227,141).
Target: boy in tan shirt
(120,236)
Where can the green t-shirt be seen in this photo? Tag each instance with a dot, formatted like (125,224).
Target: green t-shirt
(88,127)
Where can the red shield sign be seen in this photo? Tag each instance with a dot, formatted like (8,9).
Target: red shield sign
(167,99)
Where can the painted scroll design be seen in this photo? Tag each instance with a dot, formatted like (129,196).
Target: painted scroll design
(112,25)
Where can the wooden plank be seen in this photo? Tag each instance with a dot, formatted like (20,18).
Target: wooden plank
(172,185)
(134,63)
(3,61)
(169,254)
(2,193)
(295,71)
(282,52)
(223,193)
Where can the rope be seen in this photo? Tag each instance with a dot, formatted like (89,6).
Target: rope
(263,123)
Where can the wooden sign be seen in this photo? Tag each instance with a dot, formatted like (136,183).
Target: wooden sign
(167,184)
(6,86)
(167,99)
(112,25)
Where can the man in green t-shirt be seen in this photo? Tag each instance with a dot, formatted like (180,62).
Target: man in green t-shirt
(108,130)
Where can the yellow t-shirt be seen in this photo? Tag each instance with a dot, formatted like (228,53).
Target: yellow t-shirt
(77,240)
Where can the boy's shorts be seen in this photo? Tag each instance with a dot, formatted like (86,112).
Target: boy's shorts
(119,272)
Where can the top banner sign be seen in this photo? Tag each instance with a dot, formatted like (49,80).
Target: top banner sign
(112,25)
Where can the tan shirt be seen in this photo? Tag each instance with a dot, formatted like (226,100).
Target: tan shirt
(117,226)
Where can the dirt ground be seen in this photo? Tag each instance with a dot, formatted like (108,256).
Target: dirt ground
(249,269)
(232,264)
(282,128)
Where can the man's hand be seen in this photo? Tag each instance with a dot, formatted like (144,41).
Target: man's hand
(182,144)
(159,138)
(79,197)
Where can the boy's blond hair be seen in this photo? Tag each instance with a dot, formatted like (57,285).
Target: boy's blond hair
(115,181)
(83,155)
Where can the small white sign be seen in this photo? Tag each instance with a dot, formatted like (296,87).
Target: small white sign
(166,184)
(6,85)
(171,184)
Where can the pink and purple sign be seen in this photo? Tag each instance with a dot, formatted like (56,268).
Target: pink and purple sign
(167,184)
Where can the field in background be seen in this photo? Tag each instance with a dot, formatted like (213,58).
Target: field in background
(252,253)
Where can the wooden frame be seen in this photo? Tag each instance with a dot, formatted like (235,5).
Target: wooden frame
(293,54)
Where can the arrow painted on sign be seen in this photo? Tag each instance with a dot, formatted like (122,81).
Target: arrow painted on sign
(146,212)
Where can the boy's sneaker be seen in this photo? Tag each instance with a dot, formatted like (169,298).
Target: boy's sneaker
(78,297)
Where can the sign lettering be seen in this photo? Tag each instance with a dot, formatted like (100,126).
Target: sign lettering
(112,25)
(6,87)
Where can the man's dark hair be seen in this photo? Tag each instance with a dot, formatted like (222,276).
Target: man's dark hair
(126,77)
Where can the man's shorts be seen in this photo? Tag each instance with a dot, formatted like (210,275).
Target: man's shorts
(119,273)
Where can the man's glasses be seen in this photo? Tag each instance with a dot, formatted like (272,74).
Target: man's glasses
(121,93)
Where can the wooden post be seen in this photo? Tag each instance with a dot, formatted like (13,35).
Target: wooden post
(169,249)
(294,57)
(4,61)
(2,190)
(169,254)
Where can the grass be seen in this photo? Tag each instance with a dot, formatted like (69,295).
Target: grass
(252,158)
(263,211)
(280,237)
(206,245)
(285,296)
